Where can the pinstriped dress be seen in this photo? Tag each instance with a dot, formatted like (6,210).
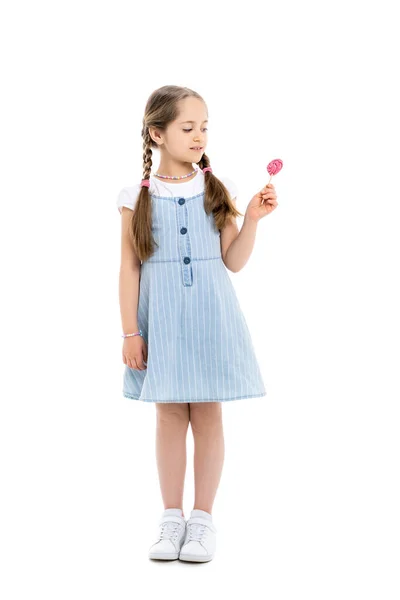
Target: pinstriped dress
(199,344)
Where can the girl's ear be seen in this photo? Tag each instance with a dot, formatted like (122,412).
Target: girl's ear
(155,135)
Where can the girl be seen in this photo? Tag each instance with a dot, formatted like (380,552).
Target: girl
(187,347)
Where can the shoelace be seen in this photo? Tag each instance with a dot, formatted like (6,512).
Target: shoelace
(196,532)
(168,530)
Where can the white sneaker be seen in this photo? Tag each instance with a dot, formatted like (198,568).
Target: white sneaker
(200,540)
(172,527)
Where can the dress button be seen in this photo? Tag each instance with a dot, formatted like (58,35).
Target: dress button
(181,200)
(186,260)
(183,230)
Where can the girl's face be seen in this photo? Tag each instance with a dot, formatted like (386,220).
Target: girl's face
(188,131)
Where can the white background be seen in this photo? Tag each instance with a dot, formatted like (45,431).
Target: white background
(307,505)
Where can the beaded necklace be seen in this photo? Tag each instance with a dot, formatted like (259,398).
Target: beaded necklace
(176,176)
(146,182)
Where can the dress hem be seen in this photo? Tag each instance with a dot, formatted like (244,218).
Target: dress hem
(132,397)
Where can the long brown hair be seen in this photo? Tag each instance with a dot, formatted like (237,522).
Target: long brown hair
(161,109)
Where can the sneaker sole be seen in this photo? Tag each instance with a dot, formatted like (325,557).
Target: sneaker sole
(195,558)
(171,556)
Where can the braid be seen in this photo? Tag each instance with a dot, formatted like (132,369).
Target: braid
(147,152)
(204,162)
(217,199)
(141,233)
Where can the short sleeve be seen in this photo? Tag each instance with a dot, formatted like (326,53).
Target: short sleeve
(231,186)
(127,197)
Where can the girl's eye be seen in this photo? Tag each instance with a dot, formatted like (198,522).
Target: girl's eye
(204,129)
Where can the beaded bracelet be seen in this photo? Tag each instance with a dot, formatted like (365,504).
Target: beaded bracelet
(124,335)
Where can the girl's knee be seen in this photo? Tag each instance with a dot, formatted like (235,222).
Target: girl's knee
(205,414)
(172,411)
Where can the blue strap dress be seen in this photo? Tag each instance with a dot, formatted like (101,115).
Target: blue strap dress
(199,345)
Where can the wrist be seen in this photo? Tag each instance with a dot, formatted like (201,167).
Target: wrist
(132,333)
(250,221)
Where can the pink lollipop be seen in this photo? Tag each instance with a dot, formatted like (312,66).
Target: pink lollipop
(274,167)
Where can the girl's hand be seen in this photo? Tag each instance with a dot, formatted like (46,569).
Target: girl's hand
(262,204)
(134,352)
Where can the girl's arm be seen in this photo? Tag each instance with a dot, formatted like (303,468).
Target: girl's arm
(237,246)
(239,251)
(129,276)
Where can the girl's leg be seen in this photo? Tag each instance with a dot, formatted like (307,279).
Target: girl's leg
(209,450)
(172,425)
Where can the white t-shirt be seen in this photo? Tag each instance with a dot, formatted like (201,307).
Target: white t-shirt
(128,195)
